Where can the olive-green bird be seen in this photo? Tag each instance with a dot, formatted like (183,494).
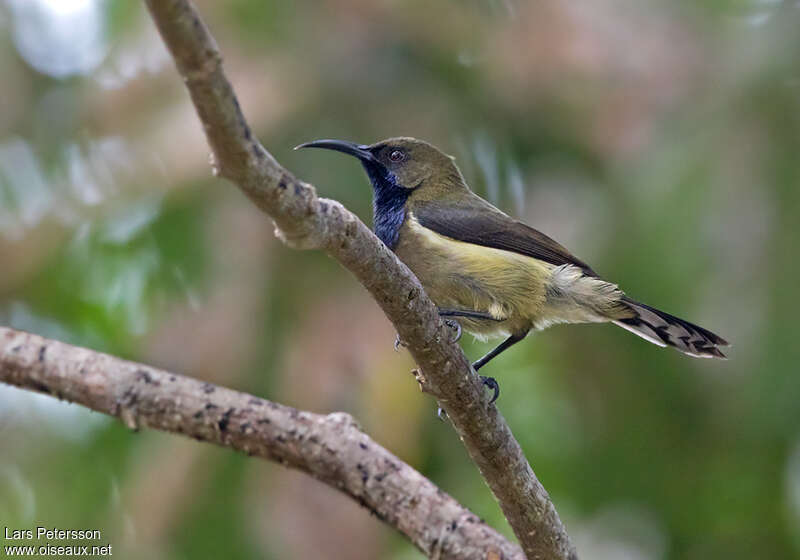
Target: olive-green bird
(494,274)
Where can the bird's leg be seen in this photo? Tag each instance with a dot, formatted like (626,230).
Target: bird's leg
(467,314)
(491,382)
(505,345)
(453,324)
(456,326)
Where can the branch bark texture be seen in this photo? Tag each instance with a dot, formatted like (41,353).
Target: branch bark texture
(303,220)
(331,448)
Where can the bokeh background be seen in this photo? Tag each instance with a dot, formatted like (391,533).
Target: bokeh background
(659,140)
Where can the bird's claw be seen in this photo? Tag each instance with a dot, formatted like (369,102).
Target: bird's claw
(492,384)
(456,326)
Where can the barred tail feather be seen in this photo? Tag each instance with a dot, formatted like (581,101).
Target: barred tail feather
(664,329)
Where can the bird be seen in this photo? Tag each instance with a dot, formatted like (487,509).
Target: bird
(489,273)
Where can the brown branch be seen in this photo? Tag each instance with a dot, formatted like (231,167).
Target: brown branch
(305,221)
(331,448)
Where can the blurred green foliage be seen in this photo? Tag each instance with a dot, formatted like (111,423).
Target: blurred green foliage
(658,140)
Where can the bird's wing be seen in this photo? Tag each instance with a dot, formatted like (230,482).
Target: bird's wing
(476,221)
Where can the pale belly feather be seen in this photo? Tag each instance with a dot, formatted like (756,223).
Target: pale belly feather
(463,276)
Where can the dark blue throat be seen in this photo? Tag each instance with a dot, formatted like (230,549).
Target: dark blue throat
(388,203)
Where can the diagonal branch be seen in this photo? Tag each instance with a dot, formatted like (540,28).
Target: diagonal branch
(331,448)
(305,221)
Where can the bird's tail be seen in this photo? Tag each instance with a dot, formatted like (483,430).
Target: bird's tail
(667,330)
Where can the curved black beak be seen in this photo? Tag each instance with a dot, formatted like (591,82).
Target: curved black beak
(357,150)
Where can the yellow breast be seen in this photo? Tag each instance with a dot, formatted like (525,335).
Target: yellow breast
(465,276)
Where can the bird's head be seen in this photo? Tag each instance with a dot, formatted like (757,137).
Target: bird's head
(405,163)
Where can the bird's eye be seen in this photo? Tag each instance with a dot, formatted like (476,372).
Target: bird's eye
(396,156)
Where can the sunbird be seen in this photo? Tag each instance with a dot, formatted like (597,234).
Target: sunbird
(494,275)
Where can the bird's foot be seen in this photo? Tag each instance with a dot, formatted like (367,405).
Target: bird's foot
(492,384)
(455,326)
